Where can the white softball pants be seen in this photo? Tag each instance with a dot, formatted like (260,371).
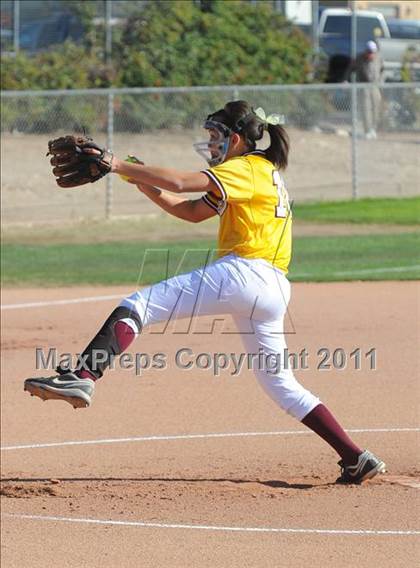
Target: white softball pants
(256,295)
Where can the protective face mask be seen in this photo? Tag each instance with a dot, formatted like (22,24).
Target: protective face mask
(214,151)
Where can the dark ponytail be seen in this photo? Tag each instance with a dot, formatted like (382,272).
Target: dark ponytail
(278,151)
(240,117)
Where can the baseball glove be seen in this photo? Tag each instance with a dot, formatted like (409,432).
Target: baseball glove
(77,160)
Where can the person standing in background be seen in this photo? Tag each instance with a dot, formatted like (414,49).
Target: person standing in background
(369,68)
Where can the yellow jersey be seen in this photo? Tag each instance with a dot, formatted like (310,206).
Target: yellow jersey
(253,204)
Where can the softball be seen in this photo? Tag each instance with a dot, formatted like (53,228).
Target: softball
(132,160)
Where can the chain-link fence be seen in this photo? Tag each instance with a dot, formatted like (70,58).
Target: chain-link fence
(346,141)
(34,25)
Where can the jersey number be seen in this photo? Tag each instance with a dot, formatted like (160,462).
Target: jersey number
(282,208)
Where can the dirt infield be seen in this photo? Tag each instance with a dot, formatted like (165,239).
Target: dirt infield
(184,469)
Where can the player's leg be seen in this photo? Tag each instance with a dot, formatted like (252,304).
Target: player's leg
(277,379)
(272,367)
(77,386)
(185,296)
(266,338)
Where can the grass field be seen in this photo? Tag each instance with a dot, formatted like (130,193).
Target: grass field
(114,252)
(321,259)
(381,211)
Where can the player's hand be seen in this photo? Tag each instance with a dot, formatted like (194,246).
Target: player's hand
(118,163)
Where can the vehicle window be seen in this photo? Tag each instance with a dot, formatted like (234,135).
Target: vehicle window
(405,31)
(367,28)
(338,25)
(29,35)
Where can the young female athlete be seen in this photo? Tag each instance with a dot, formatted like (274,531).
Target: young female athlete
(247,280)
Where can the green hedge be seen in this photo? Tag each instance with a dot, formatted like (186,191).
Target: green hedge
(234,42)
(67,66)
(46,114)
(167,44)
(175,44)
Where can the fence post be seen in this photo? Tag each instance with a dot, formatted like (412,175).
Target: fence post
(108,31)
(110,121)
(354,180)
(109,144)
(16,26)
(354,173)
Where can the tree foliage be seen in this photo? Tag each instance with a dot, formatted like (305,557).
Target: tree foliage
(232,42)
(174,43)
(68,66)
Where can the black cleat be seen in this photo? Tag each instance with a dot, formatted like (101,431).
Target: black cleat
(69,387)
(367,467)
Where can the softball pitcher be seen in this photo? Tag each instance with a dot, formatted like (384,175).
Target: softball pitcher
(248,279)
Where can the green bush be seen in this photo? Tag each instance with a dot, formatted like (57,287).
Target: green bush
(177,44)
(173,43)
(67,66)
(43,114)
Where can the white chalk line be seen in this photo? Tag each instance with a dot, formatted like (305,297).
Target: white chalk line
(61,302)
(144,524)
(194,437)
(120,296)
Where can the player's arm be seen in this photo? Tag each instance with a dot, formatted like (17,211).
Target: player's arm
(193,210)
(166,178)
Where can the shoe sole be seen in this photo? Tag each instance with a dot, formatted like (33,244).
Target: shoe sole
(46,393)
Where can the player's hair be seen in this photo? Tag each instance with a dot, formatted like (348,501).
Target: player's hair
(240,118)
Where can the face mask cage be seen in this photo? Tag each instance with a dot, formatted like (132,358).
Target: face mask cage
(214,151)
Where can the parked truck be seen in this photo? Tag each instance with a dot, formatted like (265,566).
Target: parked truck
(335,44)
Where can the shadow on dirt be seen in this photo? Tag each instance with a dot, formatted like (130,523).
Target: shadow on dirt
(275,484)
